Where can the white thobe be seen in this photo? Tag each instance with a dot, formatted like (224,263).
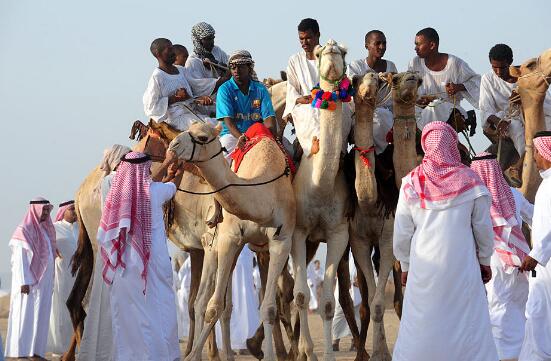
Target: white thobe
(302,76)
(507,295)
(383,119)
(434,83)
(245,317)
(61,327)
(537,338)
(29,314)
(97,338)
(445,312)
(145,326)
(314,278)
(201,79)
(182,295)
(340,326)
(161,86)
(494,100)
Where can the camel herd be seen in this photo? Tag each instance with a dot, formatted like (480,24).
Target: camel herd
(292,216)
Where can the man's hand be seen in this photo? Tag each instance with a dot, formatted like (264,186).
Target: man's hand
(241,141)
(171,157)
(404,278)
(503,127)
(486,273)
(181,94)
(307,99)
(528,264)
(25,289)
(452,88)
(204,100)
(423,101)
(515,98)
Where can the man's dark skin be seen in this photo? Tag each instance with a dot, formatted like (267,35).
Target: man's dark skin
(181,56)
(501,69)
(25,289)
(208,44)
(376,48)
(308,41)
(434,60)
(166,57)
(529,264)
(70,215)
(242,77)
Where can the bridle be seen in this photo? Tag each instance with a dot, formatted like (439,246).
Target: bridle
(539,72)
(198,142)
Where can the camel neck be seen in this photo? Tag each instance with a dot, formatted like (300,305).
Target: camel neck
(365,183)
(327,160)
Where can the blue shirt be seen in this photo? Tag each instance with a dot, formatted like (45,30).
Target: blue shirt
(245,110)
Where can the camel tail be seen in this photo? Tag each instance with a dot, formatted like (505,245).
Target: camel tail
(82,264)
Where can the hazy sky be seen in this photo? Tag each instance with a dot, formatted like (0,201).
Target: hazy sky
(72,73)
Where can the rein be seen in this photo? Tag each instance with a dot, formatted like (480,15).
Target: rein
(195,142)
(539,72)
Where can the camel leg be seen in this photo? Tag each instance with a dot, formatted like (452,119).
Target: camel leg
(196,257)
(254,344)
(398,294)
(362,354)
(343,276)
(205,290)
(380,348)
(279,252)
(225,323)
(301,293)
(228,249)
(337,242)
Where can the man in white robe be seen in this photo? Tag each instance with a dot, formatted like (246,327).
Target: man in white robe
(302,76)
(182,296)
(508,289)
(97,338)
(169,97)
(447,80)
(537,338)
(383,120)
(33,246)
(133,247)
(500,106)
(207,65)
(443,239)
(314,275)
(66,230)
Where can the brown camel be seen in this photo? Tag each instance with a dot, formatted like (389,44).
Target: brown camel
(534,77)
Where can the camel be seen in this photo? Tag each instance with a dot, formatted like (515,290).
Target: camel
(534,77)
(243,219)
(322,195)
(369,228)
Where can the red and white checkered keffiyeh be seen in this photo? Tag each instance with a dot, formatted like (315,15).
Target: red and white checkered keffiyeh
(509,241)
(543,145)
(126,217)
(30,235)
(441,180)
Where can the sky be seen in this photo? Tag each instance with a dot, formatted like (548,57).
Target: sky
(73,73)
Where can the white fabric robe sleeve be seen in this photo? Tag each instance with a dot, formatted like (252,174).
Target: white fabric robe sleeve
(155,105)
(526,209)
(471,81)
(403,232)
(482,229)
(21,266)
(487,103)
(541,250)
(293,89)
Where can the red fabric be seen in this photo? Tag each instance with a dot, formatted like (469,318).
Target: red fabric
(543,145)
(30,234)
(61,212)
(255,134)
(364,154)
(441,175)
(509,240)
(126,217)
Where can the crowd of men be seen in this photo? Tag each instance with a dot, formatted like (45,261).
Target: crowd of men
(455,227)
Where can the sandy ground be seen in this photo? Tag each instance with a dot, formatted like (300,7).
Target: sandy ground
(316,329)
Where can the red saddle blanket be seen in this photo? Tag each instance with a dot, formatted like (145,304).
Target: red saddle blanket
(255,134)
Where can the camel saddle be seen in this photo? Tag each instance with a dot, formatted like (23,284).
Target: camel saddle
(154,139)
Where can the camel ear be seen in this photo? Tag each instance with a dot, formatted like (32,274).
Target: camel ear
(515,71)
(395,79)
(343,49)
(317,51)
(356,81)
(386,77)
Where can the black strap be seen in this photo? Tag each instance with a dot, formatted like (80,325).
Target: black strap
(66,203)
(484,157)
(143,159)
(40,202)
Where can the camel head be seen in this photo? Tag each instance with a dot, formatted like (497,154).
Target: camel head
(366,87)
(534,74)
(199,143)
(404,86)
(331,61)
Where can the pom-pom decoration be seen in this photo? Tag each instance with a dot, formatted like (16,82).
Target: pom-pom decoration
(327,100)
